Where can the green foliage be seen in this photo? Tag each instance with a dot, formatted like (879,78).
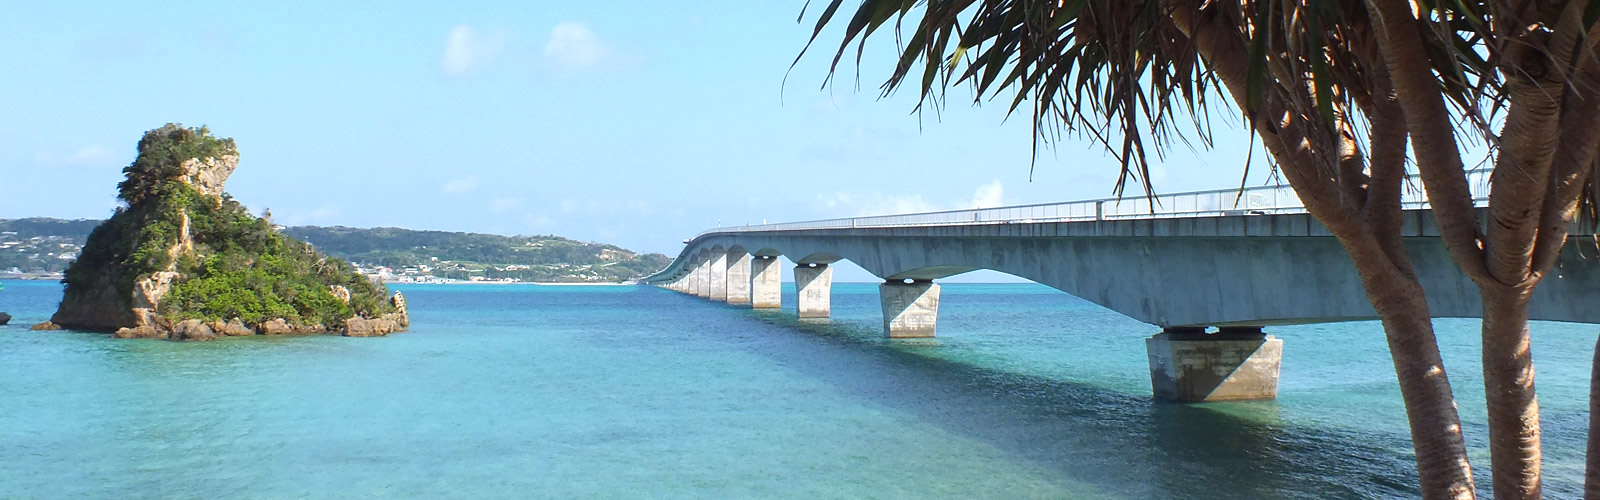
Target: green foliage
(237,267)
(162,153)
(246,270)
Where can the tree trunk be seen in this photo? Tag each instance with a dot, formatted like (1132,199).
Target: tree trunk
(1508,388)
(1430,406)
(1442,464)
(1591,470)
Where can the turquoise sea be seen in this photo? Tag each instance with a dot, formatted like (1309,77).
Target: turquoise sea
(528,391)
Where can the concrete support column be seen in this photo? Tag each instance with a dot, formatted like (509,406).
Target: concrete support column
(1188,365)
(738,278)
(813,283)
(702,279)
(719,276)
(910,310)
(766,283)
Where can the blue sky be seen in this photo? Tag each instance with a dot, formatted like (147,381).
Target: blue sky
(634,123)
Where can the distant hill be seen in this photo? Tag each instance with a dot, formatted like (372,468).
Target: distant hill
(38,245)
(41,245)
(464,255)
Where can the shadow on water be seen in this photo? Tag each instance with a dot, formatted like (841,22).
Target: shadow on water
(1118,442)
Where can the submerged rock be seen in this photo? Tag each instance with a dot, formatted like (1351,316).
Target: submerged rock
(361,327)
(45,326)
(140,332)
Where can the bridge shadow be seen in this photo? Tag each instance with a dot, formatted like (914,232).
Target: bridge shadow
(1115,441)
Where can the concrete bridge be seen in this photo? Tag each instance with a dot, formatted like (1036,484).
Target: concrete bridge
(1235,261)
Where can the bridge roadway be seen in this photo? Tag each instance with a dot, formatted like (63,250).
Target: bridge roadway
(1239,270)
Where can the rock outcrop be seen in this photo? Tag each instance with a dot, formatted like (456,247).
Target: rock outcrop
(4,318)
(183,261)
(45,326)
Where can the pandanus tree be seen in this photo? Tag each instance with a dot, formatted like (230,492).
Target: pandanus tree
(1335,91)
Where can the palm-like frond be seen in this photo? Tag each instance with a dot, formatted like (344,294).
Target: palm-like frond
(1121,73)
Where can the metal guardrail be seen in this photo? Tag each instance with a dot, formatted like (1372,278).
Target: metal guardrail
(1260,200)
(1278,199)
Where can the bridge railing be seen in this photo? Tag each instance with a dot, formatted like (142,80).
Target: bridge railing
(1277,199)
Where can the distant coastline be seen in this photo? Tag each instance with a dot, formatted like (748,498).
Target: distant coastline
(502,283)
(32,276)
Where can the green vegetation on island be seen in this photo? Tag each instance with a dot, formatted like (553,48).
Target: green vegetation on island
(181,249)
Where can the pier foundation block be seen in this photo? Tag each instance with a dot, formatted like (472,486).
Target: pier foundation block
(691,281)
(813,283)
(702,278)
(910,310)
(1188,365)
(738,282)
(766,283)
(719,277)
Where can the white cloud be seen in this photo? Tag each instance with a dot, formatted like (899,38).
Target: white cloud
(466,50)
(573,46)
(461,185)
(988,195)
(498,205)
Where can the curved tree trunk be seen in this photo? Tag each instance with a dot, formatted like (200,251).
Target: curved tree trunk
(1394,291)
(1591,469)
(1441,451)
(1514,448)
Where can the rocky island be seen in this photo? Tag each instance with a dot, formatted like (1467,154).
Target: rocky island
(182,260)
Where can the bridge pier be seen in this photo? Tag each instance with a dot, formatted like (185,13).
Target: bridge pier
(738,282)
(1188,365)
(719,277)
(910,310)
(766,283)
(813,284)
(702,280)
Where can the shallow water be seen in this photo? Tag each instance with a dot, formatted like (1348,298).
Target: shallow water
(631,392)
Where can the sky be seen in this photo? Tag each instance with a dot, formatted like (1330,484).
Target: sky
(632,123)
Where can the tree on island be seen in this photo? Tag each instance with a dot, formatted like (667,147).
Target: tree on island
(1334,90)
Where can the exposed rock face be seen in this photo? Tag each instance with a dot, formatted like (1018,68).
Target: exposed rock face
(340,292)
(275,326)
(400,315)
(193,329)
(209,174)
(141,332)
(45,326)
(231,328)
(99,308)
(360,327)
(4,318)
